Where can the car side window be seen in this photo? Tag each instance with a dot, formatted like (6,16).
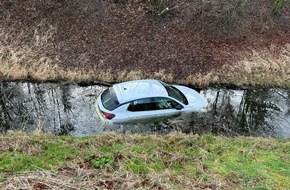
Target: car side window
(149,104)
(145,104)
(164,103)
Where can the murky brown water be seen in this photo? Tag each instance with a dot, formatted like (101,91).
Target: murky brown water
(64,109)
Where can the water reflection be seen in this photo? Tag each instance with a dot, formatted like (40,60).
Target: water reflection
(56,108)
(251,112)
(65,109)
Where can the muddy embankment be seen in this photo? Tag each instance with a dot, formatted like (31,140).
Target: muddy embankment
(190,42)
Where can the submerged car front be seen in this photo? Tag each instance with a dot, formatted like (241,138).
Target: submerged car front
(196,102)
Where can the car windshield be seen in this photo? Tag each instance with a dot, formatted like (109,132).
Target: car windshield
(109,99)
(175,93)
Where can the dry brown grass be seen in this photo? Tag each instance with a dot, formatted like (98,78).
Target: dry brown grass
(202,79)
(78,178)
(29,60)
(269,67)
(23,60)
(135,75)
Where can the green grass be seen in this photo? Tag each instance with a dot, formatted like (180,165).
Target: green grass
(279,5)
(48,156)
(172,161)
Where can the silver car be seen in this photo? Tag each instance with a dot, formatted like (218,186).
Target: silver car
(141,101)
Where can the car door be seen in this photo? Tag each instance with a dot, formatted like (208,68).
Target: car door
(169,107)
(144,110)
(152,109)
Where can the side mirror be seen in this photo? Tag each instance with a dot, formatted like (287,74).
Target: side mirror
(179,107)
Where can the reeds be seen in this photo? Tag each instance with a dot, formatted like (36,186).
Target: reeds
(269,67)
(21,60)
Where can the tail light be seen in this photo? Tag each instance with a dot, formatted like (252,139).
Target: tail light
(109,115)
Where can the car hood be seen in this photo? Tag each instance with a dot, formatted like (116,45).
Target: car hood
(196,101)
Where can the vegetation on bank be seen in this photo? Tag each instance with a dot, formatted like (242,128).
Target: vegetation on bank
(190,42)
(268,67)
(174,161)
(197,43)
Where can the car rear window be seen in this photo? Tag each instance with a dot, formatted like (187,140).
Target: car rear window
(109,99)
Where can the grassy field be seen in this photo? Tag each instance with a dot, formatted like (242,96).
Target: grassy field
(174,161)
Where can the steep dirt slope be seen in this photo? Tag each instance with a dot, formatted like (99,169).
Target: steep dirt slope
(178,37)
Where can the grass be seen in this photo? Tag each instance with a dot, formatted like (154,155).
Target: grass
(279,5)
(269,67)
(30,61)
(174,161)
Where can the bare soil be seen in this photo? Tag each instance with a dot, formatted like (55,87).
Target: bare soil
(179,37)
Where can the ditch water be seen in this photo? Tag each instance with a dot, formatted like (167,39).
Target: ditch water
(68,109)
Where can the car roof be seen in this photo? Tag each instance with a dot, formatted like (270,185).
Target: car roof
(137,89)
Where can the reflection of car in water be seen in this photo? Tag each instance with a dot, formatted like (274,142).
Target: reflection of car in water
(146,101)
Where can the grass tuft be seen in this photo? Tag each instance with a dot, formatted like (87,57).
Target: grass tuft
(279,5)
